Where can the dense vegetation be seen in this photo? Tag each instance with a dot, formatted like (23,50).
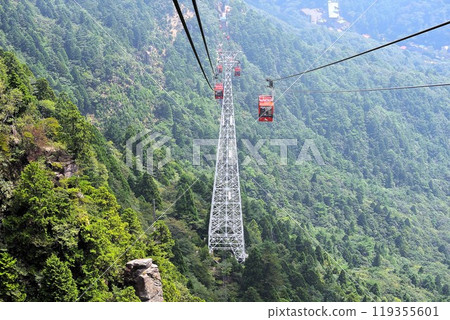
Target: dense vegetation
(61,225)
(383,20)
(370,225)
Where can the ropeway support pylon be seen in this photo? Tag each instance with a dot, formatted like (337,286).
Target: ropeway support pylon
(226,230)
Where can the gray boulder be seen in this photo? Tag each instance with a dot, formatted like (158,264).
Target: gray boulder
(144,276)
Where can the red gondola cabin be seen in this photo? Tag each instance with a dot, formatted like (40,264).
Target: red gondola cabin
(219,68)
(265,109)
(218,90)
(237,71)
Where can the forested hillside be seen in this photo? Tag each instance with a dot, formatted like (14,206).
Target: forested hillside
(382,20)
(61,225)
(372,224)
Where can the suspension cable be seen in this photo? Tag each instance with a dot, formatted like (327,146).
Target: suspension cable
(379,89)
(183,22)
(365,52)
(197,13)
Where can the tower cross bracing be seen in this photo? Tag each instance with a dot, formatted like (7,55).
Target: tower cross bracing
(226,231)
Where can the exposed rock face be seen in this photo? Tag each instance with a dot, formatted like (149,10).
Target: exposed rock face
(145,278)
(70,169)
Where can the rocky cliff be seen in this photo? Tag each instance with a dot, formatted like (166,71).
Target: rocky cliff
(144,276)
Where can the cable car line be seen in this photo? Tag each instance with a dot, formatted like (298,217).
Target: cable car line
(183,22)
(197,13)
(380,89)
(365,52)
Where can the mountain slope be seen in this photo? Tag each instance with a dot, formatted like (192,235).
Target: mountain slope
(61,226)
(382,20)
(378,209)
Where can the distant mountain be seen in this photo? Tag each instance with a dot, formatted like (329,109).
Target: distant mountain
(383,20)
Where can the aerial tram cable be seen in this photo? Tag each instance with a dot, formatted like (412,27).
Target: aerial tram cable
(183,22)
(380,89)
(365,52)
(197,13)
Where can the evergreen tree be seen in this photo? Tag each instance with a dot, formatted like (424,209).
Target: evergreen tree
(42,90)
(125,295)
(162,241)
(26,227)
(57,282)
(319,254)
(185,207)
(264,273)
(148,188)
(446,289)
(10,288)
(132,219)
(77,133)
(377,260)
(375,289)
(342,277)
(252,295)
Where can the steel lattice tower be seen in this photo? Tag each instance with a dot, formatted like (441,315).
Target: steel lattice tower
(226,231)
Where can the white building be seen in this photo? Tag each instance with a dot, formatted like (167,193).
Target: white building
(333,9)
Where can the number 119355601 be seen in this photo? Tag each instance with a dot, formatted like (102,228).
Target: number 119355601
(408,311)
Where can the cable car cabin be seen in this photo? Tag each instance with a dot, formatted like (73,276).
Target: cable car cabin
(219,68)
(237,72)
(265,109)
(218,91)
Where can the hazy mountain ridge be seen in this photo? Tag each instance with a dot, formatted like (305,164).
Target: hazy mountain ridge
(382,20)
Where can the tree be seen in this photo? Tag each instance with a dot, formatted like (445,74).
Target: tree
(319,254)
(131,217)
(342,277)
(148,189)
(57,282)
(446,290)
(163,110)
(77,133)
(375,289)
(162,241)
(43,91)
(10,103)
(125,295)
(10,288)
(252,295)
(377,260)
(312,277)
(26,227)
(401,244)
(362,220)
(185,207)
(264,273)
(307,200)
